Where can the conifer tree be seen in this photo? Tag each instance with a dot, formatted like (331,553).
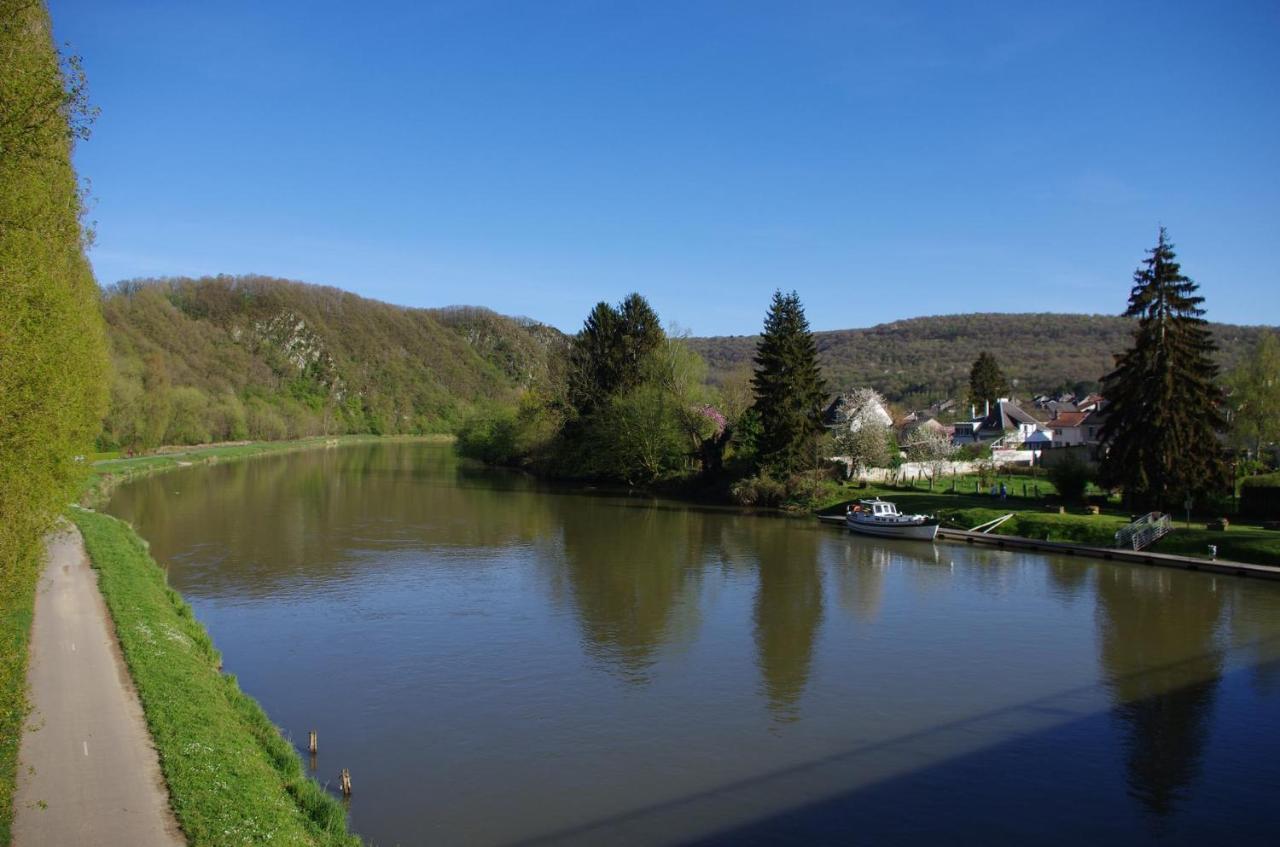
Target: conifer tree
(1164,413)
(789,389)
(987,383)
(606,355)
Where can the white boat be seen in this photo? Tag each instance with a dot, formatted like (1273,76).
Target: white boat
(882,518)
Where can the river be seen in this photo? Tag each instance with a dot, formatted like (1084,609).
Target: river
(502,662)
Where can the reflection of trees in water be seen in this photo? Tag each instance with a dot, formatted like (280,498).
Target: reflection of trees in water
(1163,664)
(1068,577)
(860,572)
(1255,609)
(632,574)
(270,519)
(788,611)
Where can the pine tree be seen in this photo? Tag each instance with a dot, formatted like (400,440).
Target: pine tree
(987,383)
(789,388)
(1164,413)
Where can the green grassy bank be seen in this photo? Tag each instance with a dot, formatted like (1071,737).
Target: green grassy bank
(232,778)
(106,474)
(1240,543)
(17,596)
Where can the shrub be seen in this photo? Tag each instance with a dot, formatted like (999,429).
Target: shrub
(1070,476)
(1260,496)
(264,423)
(489,435)
(761,490)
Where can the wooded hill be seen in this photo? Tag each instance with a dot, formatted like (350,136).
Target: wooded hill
(922,360)
(252,357)
(225,358)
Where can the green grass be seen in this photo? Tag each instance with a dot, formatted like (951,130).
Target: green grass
(1240,543)
(107,474)
(16,601)
(232,778)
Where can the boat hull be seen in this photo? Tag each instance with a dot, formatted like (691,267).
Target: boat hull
(922,531)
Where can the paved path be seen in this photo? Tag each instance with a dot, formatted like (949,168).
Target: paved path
(96,779)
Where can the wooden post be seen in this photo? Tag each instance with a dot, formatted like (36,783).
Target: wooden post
(346,782)
(311,742)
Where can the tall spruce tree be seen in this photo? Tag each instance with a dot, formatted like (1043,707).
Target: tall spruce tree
(1165,410)
(789,388)
(987,383)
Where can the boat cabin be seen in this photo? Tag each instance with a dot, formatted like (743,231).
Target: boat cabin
(877,509)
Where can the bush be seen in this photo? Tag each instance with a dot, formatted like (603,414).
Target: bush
(264,423)
(489,436)
(1071,477)
(1260,496)
(188,417)
(761,490)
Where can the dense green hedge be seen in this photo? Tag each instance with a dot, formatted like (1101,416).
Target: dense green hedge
(1260,496)
(52,350)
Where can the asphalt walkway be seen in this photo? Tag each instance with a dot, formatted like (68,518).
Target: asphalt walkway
(87,773)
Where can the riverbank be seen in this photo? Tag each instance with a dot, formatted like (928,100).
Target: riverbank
(1032,520)
(105,475)
(18,580)
(232,778)
(86,748)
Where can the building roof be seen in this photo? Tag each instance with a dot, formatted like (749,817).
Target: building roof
(1006,415)
(1069,418)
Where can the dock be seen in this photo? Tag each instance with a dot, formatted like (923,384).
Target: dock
(1111,554)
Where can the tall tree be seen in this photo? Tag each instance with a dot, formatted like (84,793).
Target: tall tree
(789,388)
(987,383)
(53,363)
(607,354)
(1255,395)
(1164,413)
(53,368)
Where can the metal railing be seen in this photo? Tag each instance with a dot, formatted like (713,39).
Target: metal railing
(1144,532)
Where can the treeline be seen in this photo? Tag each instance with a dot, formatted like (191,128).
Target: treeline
(230,358)
(635,407)
(923,360)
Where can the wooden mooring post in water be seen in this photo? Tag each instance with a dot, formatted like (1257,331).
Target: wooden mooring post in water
(311,742)
(345,782)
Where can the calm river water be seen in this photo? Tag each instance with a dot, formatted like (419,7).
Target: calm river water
(498,663)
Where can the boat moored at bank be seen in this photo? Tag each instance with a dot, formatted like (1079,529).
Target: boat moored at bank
(882,518)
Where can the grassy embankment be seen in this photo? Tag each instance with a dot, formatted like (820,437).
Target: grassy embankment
(17,596)
(108,473)
(232,778)
(1240,543)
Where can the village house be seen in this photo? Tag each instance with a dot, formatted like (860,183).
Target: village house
(1006,424)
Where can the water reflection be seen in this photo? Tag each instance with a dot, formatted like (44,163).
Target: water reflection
(788,612)
(1159,647)
(860,579)
(633,588)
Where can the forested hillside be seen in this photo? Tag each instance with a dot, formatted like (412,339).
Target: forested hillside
(925,359)
(226,358)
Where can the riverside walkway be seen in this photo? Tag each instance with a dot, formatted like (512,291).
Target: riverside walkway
(87,772)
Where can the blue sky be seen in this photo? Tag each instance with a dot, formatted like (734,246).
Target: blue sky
(887,160)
